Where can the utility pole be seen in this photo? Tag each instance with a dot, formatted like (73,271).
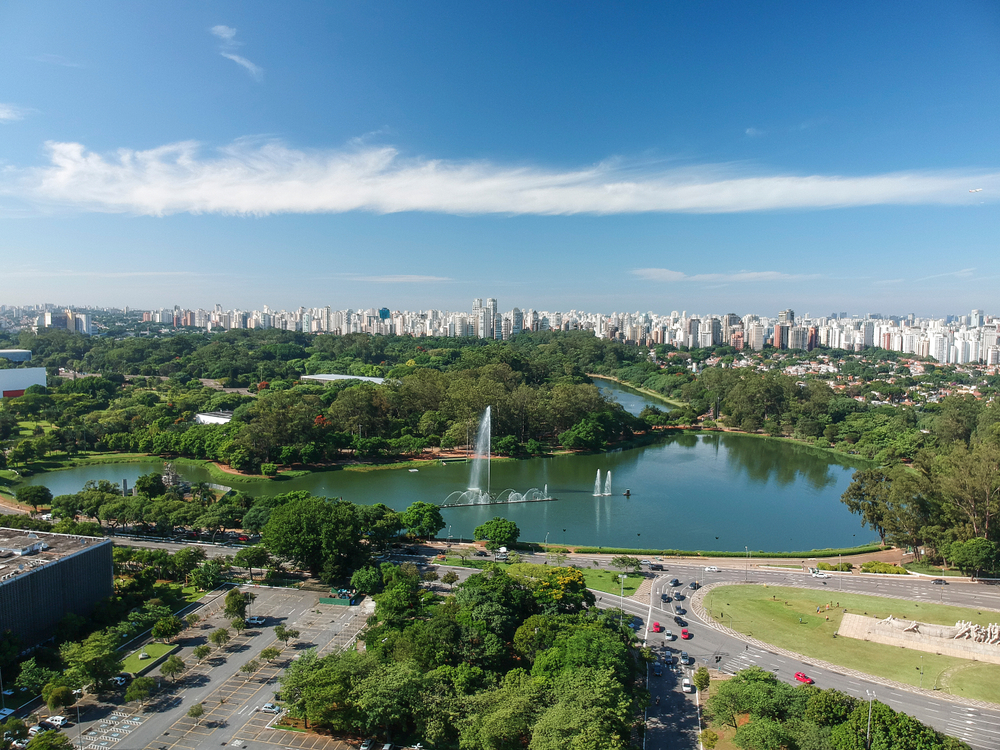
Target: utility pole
(868,736)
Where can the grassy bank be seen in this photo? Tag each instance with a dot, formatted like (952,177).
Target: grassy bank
(157,652)
(639,389)
(787,617)
(599,580)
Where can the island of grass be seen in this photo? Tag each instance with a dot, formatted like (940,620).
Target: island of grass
(799,620)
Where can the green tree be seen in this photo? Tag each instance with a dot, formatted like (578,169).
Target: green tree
(269,654)
(35,495)
(235,604)
(33,676)
(209,576)
(140,690)
(57,697)
(367,580)
(701,679)
(250,667)
(200,652)
(626,562)
(150,485)
(196,712)
(868,496)
(284,634)
(172,666)
(50,740)
(93,661)
(423,519)
(167,628)
(256,556)
(709,739)
(761,734)
(219,637)
(238,624)
(498,532)
(449,578)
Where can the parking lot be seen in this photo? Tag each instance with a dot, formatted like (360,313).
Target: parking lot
(231,699)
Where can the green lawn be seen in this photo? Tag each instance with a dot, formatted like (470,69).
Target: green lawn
(599,580)
(931,570)
(133,664)
(787,617)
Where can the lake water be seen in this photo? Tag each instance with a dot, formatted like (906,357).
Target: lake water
(713,491)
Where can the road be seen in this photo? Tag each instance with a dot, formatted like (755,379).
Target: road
(673,723)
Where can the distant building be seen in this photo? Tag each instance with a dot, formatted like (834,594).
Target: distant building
(14,383)
(44,577)
(16,355)
(213,417)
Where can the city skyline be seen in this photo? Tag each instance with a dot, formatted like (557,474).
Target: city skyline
(644,158)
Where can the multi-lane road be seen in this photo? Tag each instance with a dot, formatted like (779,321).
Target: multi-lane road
(673,721)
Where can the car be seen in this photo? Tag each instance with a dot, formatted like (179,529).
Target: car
(667,635)
(939,582)
(657,670)
(680,610)
(255,620)
(693,585)
(645,562)
(819,574)
(685,634)
(33,730)
(685,659)
(242,538)
(668,659)
(678,596)
(270,708)
(481,553)
(680,621)
(657,627)
(711,569)
(687,686)
(57,721)
(802,677)
(387,746)
(664,598)
(674,582)
(655,566)
(121,680)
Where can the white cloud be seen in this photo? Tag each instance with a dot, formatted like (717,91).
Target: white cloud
(754,132)
(255,70)
(11,112)
(32,273)
(665,274)
(402,279)
(261,178)
(226,33)
(228,36)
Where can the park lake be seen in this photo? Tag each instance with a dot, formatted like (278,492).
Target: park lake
(709,491)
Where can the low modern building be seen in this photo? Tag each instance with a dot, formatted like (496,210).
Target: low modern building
(213,417)
(331,378)
(16,355)
(14,383)
(44,576)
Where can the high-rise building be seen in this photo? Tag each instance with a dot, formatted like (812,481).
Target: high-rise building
(787,316)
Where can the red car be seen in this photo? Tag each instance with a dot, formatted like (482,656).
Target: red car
(685,635)
(657,627)
(802,677)
(242,538)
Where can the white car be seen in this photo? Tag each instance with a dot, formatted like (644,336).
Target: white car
(819,574)
(711,569)
(57,721)
(255,620)
(686,685)
(270,708)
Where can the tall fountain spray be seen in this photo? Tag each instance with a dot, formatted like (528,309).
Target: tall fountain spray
(607,484)
(597,484)
(480,475)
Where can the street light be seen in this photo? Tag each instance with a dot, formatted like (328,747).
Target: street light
(621,600)
(921,672)
(868,736)
(746,573)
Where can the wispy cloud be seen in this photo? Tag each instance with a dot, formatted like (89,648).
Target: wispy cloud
(36,273)
(666,275)
(402,279)
(754,132)
(12,112)
(965,273)
(227,37)
(261,178)
(57,60)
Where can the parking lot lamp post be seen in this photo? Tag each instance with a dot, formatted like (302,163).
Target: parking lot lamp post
(868,735)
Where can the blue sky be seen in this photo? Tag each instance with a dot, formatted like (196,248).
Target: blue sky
(712,157)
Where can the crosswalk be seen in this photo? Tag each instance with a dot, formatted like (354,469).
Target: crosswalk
(972,726)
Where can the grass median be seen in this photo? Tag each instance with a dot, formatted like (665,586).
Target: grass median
(788,618)
(599,580)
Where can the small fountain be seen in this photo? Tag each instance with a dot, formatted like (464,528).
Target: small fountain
(597,484)
(607,484)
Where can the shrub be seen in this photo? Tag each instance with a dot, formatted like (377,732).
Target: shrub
(269,470)
(873,566)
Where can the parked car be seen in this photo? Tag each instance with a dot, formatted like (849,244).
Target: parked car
(57,721)
(255,620)
(685,659)
(668,636)
(387,746)
(481,553)
(657,627)
(120,680)
(657,670)
(668,659)
(687,686)
(270,708)
(802,677)
(368,745)
(242,538)
(33,730)
(711,569)
(685,634)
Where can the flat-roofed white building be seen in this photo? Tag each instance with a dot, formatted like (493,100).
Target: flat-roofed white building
(14,383)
